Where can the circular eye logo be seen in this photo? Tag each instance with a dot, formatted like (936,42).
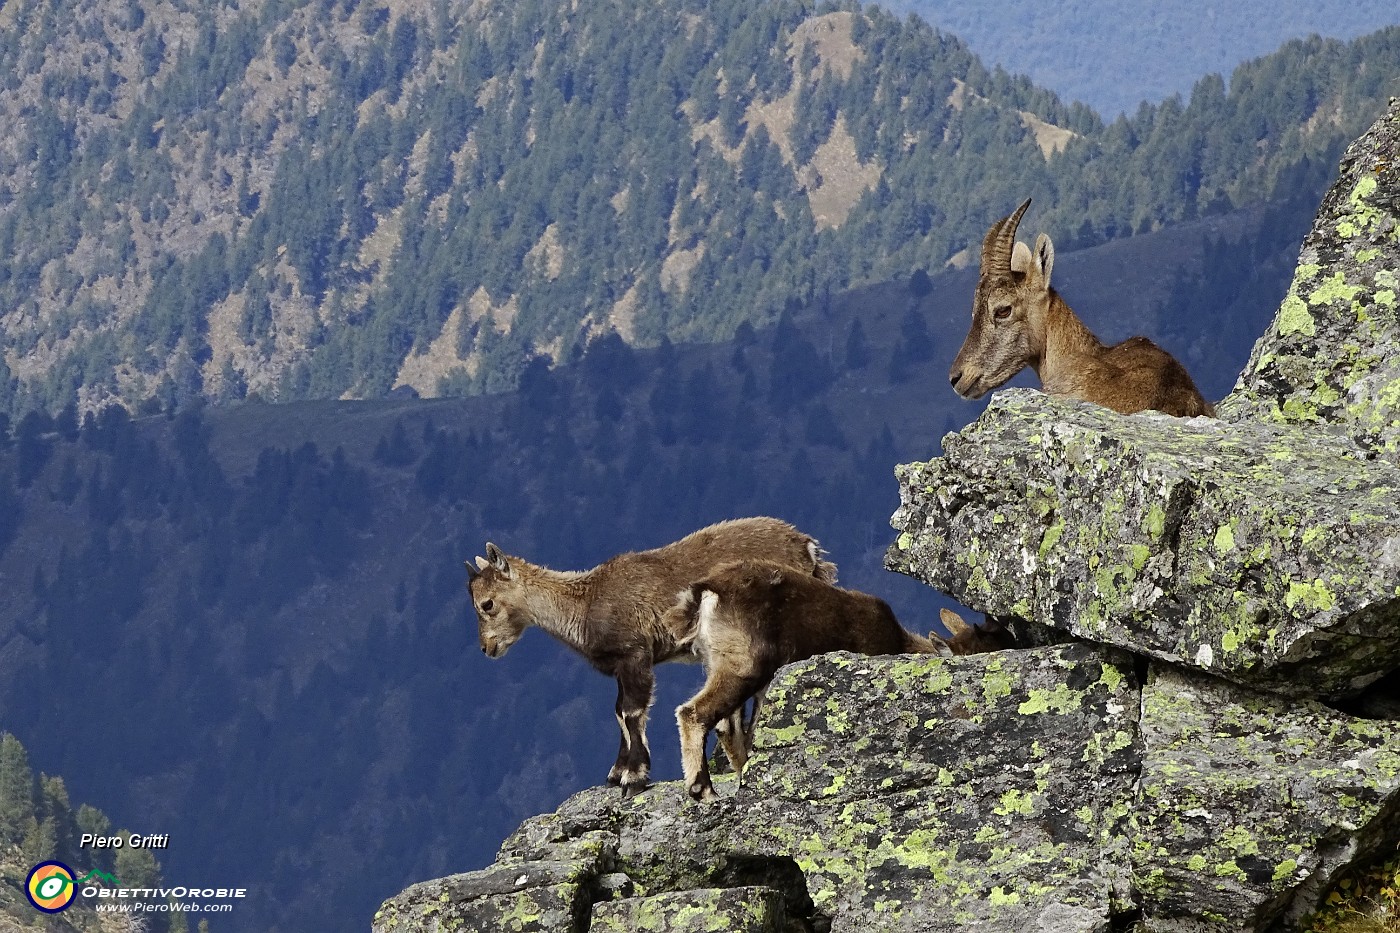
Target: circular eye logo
(50,887)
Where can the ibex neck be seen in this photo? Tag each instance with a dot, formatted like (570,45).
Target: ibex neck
(558,604)
(1065,344)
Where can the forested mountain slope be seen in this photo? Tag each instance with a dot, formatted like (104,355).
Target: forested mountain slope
(293,200)
(1112,55)
(268,600)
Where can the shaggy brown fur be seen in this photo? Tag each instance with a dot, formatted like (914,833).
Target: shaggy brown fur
(748,620)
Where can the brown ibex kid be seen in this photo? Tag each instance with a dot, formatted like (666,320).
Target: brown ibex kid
(615,614)
(748,619)
(1018,320)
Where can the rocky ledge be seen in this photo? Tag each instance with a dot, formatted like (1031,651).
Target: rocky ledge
(1268,554)
(1050,789)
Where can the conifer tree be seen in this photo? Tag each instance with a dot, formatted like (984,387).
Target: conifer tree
(16,790)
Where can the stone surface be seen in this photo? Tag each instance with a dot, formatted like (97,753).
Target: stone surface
(737,910)
(544,896)
(1043,789)
(1329,358)
(1250,804)
(1268,554)
(928,794)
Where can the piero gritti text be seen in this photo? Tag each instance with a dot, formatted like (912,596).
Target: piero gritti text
(133,841)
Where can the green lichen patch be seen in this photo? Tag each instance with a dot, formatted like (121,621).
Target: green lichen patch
(1254,792)
(749,909)
(1231,547)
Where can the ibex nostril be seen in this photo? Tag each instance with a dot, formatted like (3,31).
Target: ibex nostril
(954,379)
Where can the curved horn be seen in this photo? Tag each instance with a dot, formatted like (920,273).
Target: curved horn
(1001,240)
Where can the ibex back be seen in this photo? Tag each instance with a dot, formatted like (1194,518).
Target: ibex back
(1018,320)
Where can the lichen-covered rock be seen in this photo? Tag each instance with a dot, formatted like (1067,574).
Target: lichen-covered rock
(546,896)
(1011,791)
(708,910)
(905,793)
(1249,805)
(1329,358)
(1268,554)
(927,794)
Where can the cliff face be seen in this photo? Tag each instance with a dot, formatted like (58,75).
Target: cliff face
(1173,763)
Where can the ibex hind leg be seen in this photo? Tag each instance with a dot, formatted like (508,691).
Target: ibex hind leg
(732,739)
(624,745)
(720,700)
(752,718)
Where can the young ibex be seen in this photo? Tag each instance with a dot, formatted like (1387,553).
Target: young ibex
(967,638)
(748,619)
(1018,320)
(615,614)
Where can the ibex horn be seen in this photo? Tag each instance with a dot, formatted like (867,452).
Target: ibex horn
(1001,240)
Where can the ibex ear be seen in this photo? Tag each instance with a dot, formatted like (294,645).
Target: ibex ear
(498,560)
(1044,257)
(953,622)
(940,644)
(1020,257)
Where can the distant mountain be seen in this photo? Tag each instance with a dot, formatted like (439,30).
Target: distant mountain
(343,199)
(267,601)
(1113,56)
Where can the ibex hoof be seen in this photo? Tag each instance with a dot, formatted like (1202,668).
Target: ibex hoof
(614,777)
(632,790)
(702,791)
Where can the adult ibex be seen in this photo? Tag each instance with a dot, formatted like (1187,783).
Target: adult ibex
(613,614)
(1018,320)
(748,619)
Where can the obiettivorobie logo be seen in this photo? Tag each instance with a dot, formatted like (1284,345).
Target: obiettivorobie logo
(52,886)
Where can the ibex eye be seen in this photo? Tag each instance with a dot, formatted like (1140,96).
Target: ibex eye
(487,605)
(1002,313)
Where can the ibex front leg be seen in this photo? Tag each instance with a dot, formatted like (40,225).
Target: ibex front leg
(635,682)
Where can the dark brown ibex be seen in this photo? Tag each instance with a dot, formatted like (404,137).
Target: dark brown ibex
(1018,320)
(748,619)
(613,614)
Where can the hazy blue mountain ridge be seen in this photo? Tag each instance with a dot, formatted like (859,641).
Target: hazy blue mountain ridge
(1113,56)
